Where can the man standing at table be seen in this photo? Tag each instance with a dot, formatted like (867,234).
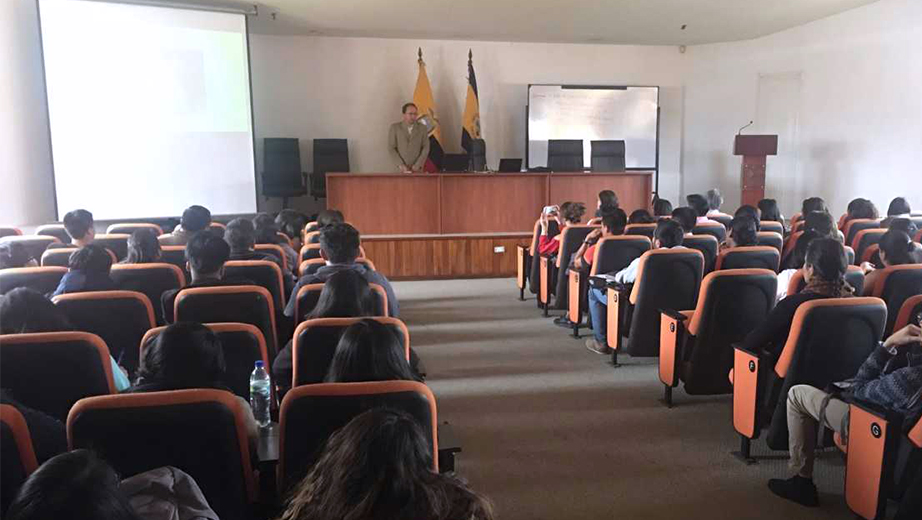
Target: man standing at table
(408,141)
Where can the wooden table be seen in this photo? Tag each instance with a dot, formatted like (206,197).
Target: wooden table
(424,226)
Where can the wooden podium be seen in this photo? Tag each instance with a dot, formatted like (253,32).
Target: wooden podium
(754,149)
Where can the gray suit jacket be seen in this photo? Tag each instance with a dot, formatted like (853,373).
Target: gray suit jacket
(408,148)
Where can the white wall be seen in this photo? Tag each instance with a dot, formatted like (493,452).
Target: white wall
(859,116)
(316,87)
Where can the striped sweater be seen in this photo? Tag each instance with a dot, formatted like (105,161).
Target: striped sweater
(893,381)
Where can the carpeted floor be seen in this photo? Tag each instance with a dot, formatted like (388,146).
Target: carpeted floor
(549,430)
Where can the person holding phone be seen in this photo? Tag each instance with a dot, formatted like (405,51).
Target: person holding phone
(567,214)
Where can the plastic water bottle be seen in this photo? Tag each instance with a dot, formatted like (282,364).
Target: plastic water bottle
(260,394)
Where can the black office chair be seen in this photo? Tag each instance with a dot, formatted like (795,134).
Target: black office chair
(478,155)
(282,175)
(330,155)
(607,156)
(565,155)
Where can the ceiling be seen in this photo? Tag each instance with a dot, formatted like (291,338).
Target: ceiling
(638,22)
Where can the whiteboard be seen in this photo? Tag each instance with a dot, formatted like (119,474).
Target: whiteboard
(593,114)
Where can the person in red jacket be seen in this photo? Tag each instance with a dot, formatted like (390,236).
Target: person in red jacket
(568,214)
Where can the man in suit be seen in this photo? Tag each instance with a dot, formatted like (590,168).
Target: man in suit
(408,141)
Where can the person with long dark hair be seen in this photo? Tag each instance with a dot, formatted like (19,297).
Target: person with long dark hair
(743,233)
(369,351)
(896,248)
(771,212)
(379,466)
(143,248)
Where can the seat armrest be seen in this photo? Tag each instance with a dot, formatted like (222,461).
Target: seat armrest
(744,348)
(672,338)
(676,315)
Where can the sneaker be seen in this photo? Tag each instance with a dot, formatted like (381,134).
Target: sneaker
(563,321)
(594,346)
(796,489)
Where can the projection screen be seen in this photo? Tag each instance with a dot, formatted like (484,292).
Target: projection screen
(149,109)
(593,114)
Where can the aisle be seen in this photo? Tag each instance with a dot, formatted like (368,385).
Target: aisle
(550,431)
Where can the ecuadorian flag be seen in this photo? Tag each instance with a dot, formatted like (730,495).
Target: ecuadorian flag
(470,123)
(422,98)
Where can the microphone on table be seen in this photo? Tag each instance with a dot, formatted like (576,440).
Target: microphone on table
(744,127)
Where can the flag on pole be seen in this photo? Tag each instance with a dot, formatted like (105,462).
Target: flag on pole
(470,123)
(422,98)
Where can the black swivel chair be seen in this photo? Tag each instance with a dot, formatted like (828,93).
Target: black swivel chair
(565,155)
(282,175)
(607,156)
(478,155)
(330,155)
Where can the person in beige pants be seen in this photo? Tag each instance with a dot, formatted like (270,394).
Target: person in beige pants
(408,142)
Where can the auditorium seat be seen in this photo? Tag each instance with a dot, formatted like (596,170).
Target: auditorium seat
(151,279)
(854,277)
(849,255)
(120,318)
(50,371)
(312,237)
(315,341)
(34,244)
(232,303)
(534,273)
(852,227)
(828,342)
(918,238)
(771,226)
(884,455)
(311,266)
(716,230)
(175,255)
(54,230)
(523,261)
(551,277)
(10,232)
(263,273)
(309,251)
(696,347)
(612,254)
(311,414)
(201,432)
(789,245)
(283,236)
(871,255)
(646,230)
(707,245)
(565,155)
(60,256)
(116,242)
(128,228)
(42,279)
(895,285)
(752,257)
(217,227)
(308,296)
(17,455)
(242,344)
(666,279)
(723,218)
(865,239)
(276,251)
(770,238)
(910,309)
(606,156)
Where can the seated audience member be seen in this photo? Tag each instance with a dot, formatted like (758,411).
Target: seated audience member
(194,219)
(906,226)
(613,224)
(143,248)
(88,270)
(812,204)
(899,208)
(669,234)
(267,232)
(824,271)
(770,211)
(240,235)
(369,351)
(715,201)
(339,247)
(752,212)
(80,486)
(861,208)
(570,213)
(326,218)
(795,262)
(291,223)
(686,217)
(80,227)
(896,248)
(608,201)
(743,233)
(206,254)
(823,224)
(24,311)
(187,355)
(14,254)
(46,433)
(379,466)
(662,207)
(699,203)
(641,216)
(891,377)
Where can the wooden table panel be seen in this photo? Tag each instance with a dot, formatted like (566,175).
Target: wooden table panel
(491,203)
(379,204)
(634,190)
